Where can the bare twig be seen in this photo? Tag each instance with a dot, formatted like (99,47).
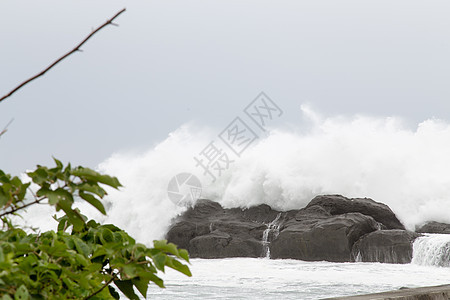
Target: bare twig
(76,49)
(6,127)
(13,210)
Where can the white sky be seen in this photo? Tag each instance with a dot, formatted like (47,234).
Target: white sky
(172,62)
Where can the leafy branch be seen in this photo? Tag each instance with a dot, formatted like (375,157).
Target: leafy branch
(83,263)
(76,49)
(58,185)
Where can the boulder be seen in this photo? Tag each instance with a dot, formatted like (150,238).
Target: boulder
(329,238)
(337,205)
(385,246)
(207,230)
(326,229)
(218,244)
(434,227)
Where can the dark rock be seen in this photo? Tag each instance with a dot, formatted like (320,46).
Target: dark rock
(326,229)
(329,239)
(209,231)
(313,212)
(386,246)
(337,205)
(219,245)
(434,227)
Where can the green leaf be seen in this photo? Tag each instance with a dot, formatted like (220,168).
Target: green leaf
(176,265)
(23,191)
(99,252)
(22,293)
(162,245)
(93,201)
(142,285)
(3,198)
(81,260)
(126,286)
(184,254)
(58,163)
(130,270)
(63,223)
(106,236)
(112,227)
(92,188)
(155,279)
(69,283)
(57,249)
(160,260)
(39,176)
(81,247)
(74,217)
(90,174)
(54,197)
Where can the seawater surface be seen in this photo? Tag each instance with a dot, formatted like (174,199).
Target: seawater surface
(253,278)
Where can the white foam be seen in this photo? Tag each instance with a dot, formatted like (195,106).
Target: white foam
(380,158)
(432,250)
(251,278)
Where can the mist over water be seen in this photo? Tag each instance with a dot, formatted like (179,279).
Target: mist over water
(380,158)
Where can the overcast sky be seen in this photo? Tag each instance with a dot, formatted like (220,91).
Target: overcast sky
(173,62)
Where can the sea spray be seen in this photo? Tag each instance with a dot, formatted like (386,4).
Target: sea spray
(356,157)
(405,168)
(432,250)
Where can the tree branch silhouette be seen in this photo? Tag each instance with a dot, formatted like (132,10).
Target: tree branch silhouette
(6,127)
(76,49)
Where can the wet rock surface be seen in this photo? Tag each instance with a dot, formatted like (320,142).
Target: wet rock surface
(385,246)
(434,227)
(328,228)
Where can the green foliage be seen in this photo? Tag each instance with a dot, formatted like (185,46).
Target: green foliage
(81,259)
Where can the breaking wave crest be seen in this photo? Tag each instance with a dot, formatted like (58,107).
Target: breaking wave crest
(381,158)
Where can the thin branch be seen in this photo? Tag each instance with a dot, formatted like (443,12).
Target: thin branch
(104,286)
(6,127)
(37,201)
(76,49)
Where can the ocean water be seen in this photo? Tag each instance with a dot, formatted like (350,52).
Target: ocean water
(253,278)
(264,278)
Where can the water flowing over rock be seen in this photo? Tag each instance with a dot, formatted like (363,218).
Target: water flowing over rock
(326,229)
(272,232)
(385,246)
(210,231)
(432,250)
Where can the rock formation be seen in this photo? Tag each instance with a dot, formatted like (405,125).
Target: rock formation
(434,227)
(330,227)
(385,246)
